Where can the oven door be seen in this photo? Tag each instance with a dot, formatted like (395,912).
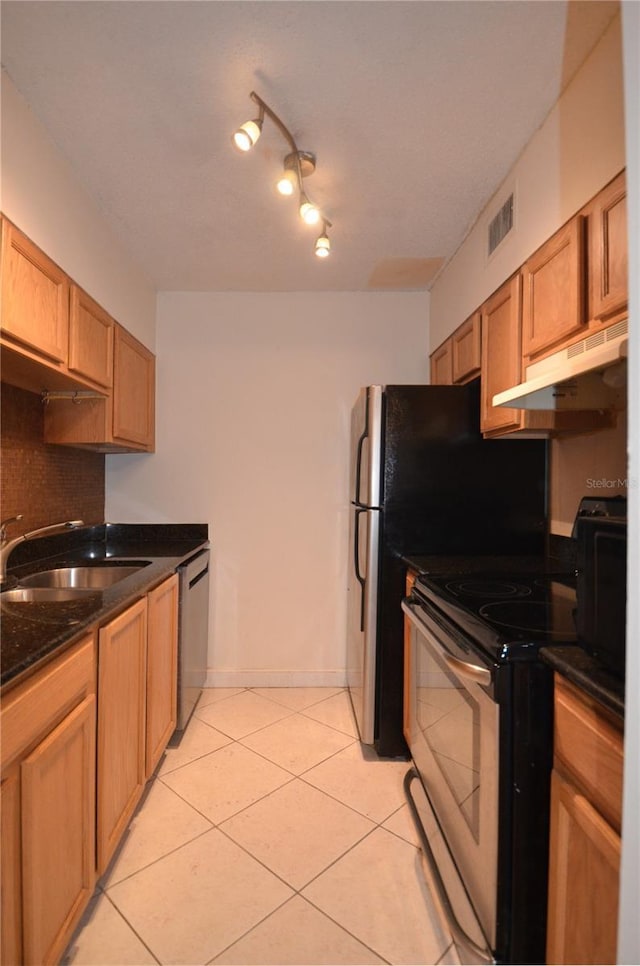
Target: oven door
(452,725)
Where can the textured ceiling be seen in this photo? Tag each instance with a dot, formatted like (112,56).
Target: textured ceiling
(416,112)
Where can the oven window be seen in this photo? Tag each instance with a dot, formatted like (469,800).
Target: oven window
(449,720)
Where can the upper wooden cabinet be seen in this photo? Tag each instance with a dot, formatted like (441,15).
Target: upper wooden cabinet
(466,346)
(501,356)
(124,421)
(90,339)
(457,360)
(608,267)
(35,298)
(442,365)
(56,337)
(133,392)
(553,286)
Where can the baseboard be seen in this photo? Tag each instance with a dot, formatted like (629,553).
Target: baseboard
(259,678)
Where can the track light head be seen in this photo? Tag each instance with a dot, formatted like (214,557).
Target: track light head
(288,183)
(323,245)
(309,212)
(297,165)
(247,134)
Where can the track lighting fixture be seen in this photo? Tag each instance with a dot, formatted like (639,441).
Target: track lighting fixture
(323,245)
(296,166)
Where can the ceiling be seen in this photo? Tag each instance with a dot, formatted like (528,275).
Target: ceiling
(415,110)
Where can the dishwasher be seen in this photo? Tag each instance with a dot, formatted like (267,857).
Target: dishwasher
(193,635)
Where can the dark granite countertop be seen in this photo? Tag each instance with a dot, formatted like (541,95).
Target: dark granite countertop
(33,633)
(586,672)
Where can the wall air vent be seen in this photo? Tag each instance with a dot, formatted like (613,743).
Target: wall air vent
(501,224)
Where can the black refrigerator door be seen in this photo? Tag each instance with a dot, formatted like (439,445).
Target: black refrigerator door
(446,489)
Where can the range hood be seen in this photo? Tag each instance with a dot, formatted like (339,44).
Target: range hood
(583,376)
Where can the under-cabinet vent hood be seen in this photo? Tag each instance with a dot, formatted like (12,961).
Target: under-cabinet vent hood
(583,376)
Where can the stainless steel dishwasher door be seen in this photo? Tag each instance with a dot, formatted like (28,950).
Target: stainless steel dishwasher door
(193,640)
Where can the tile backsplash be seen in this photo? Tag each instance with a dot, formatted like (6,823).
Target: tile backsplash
(45,483)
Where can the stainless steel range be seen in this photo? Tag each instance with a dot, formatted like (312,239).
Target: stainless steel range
(479,730)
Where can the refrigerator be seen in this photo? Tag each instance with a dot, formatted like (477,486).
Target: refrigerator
(423,482)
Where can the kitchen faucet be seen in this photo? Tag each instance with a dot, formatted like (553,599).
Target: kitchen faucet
(6,546)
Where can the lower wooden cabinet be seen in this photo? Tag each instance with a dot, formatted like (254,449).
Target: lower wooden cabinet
(58,867)
(162,670)
(122,655)
(583,885)
(80,738)
(48,806)
(584,849)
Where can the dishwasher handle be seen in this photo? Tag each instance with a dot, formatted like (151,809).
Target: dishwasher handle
(195,569)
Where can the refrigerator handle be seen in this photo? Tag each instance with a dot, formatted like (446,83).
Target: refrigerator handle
(356,564)
(356,495)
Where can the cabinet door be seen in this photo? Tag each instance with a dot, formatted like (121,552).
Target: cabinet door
(583,880)
(11,868)
(501,355)
(90,339)
(553,281)
(467,348)
(122,649)
(608,273)
(133,392)
(35,297)
(58,833)
(442,365)
(162,669)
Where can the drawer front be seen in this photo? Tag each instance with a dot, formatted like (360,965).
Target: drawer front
(33,708)
(589,747)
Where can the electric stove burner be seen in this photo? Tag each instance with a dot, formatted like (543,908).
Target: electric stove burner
(554,620)
(486,589)
(506,613)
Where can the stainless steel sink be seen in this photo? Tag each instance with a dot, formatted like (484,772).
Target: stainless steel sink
(42,595)
(95,577)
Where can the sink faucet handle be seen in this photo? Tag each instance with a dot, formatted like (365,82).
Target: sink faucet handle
(5,523)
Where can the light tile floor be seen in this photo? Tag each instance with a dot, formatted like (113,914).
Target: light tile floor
(269,836)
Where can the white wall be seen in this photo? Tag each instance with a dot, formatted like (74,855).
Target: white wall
(576,151)
(42,196)
(254,401)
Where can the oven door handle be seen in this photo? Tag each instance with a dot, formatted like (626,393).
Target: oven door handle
(465,669)
(480,954)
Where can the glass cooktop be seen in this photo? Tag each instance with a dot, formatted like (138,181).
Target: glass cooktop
(505,611)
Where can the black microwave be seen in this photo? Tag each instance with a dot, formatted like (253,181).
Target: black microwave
(602,588)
